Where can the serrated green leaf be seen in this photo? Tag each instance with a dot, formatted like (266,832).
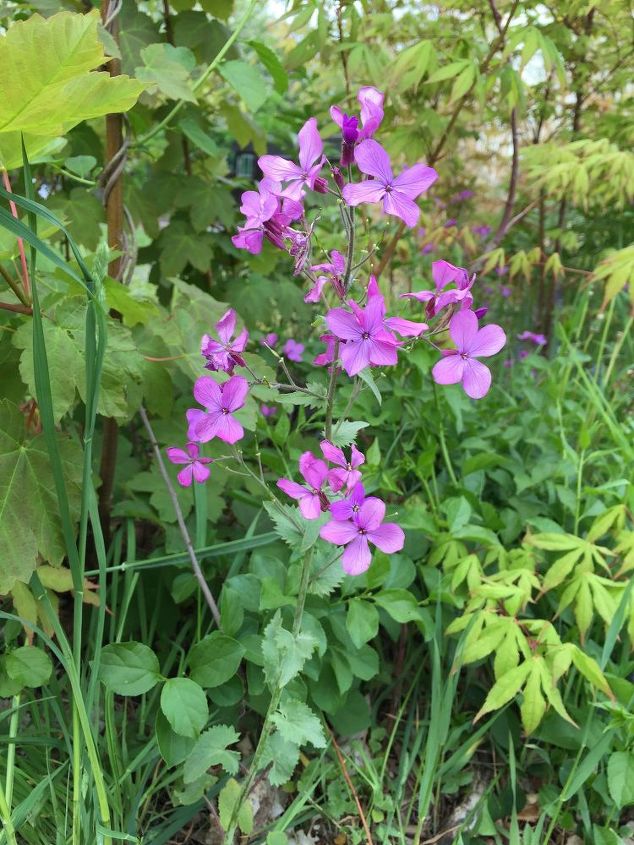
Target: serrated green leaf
(284,655)
(505,689)
(211,750)
(297,723)
(345,432)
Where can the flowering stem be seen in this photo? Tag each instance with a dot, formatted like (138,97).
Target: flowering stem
(276,693)
(330,398)
(211,602)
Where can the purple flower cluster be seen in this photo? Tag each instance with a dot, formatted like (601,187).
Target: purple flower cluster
(355,520)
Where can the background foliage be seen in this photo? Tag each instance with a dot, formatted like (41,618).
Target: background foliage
(511,602)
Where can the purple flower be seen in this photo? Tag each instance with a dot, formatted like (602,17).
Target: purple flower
(268,410)
(463,195)
(346,475)
(328,355)
(371,101)
(406,328)
(225,353)
(482,231)
(367,340)
(537,339)
(502,271)
(443,274)
(268,214)
(196,469)
(293,350)
(460,364)
(356,534)
(427,249)
(506,291)
(349,507)
(269,339)
(299,175)
(334,270)
(221,401)
(396,192)
(312,500)
(450,223)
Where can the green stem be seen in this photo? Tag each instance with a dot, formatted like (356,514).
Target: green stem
(267,727)
(7,823)
(210,69)
(13,731)
(330,398)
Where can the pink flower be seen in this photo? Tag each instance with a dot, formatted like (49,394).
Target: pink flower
(406,328)
(293,350)
(312,500)
(460,364)
(328,355)
(537,339)
(268,410)
(221,401)
(349,507)
(396,192)
(443,274)
(268,214)
(367,340)
(196,469)
(299,175)
(371,101)
(356,534)
(270,339)
(334,270)
(347,475)
(224,354)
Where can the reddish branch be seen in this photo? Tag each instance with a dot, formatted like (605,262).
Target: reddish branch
(26,282)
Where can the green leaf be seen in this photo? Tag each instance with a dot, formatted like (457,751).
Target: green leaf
(180,247)
(218,8)
(227,803)
(28,666)
(367,377)
(247,83)
(590,670)
(215,659)
(297,723)
(345,432)
(621,778)
(449,71)
(401,605)
(272,64)
(286,523)
(284,757)
(174,748)
(533,706)
(29,517)
(129,668)
(362,621)
(48,82)
(276,837)
(211,750)
(505,689)
(168,68)
(463,83)
(184,704)
(284,655)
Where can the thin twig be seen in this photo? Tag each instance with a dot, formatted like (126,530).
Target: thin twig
(507,214)
(211,602)
(25,270)
(18,308)
(353,791)
(14,285)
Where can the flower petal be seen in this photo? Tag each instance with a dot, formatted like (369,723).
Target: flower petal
(313,470)
(420,295)
(388,537)
(338,532)
(278,168)
(178,456)
(488,341)
(406,328)
(310,506)
(226,326)
(372,159)
(356,457)
(228,429)
(343,324)
(234,392)
(249,239)
(476,379)
(369,191)
(443,273)
(332,453)
(291,488)
(449,370)
(463,328)
(382,352)
(200,472)
(413,181)
(184,477)
(355,356)
(336,115)
(208,393)
(337,478)
(310,144)
(357,556)
(371,513)
(371,101)
(402,206)
(206,427)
